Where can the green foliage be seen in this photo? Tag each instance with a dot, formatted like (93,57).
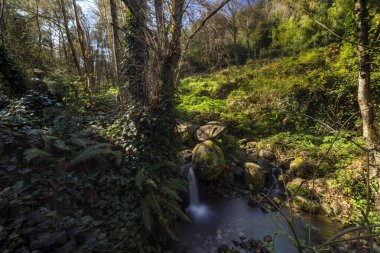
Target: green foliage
(272,96)
(12,79)
(94,151)
(59,200)
(34,153)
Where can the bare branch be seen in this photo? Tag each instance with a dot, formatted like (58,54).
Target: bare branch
(204,22)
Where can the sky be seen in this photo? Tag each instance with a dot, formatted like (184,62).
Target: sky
(89,9)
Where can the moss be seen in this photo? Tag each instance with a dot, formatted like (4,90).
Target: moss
(306,205)
(297,186)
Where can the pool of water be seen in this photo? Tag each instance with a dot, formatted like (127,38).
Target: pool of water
(219,221)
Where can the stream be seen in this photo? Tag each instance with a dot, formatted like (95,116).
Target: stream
(218,221)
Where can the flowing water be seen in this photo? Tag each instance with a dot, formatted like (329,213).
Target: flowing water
(219,221)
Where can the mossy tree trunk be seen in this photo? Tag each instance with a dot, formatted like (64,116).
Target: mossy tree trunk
(368,119)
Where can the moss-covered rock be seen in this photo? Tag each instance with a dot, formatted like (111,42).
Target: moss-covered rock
(297,187)
(267,154)
(305,204)
(254,176)
(208,160)
(210,131)
(186,131)
(232,151)
(301,167)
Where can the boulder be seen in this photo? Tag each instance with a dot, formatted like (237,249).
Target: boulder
(265,166)
(254,176)
(210,131)
(232,151)
(208,160)
(301,167)
(296,186)
(263,153)
(185,155)
(186,130)
(285,163)
(305,204)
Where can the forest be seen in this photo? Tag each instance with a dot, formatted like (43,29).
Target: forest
(190,126)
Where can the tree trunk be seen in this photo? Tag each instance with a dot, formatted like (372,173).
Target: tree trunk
(84,47)
(369,132)
(116,50)
(69,37)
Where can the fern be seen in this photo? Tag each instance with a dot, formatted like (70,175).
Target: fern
(99,146)
(60,144)
(91,153)
(174,209)
(80,142)
(170,193)
(176,184)
(33,153)
(154,204)
(147,215)
(140,179)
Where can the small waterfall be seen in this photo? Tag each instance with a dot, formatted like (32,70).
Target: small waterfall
(196,210)
(193,188)
(276,185)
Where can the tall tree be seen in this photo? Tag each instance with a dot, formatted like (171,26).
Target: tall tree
(116,49)
(83,46)
(69,36)
(152,65)
(364,85)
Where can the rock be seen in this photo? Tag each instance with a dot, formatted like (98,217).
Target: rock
(186,130)
(238,171)
(232,151)
(208,160)
(254,176)
(210,131)
(185,155)
(336,207)
(296,164)
(263,153)
(265,166)
(326,208)
(296,186)
(278,201)
(306,204)
(285,164)
(301,168)
(283,178)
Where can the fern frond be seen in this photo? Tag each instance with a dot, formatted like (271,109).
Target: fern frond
(176,184)
(33,153)
(80,142)
(170,193)
(84,133)
(155,205)
(151,183)
(174,209)
(139,179)
(91,153)
(99,146)
(165,165)
(173,235)
(60,144)
(147,215)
